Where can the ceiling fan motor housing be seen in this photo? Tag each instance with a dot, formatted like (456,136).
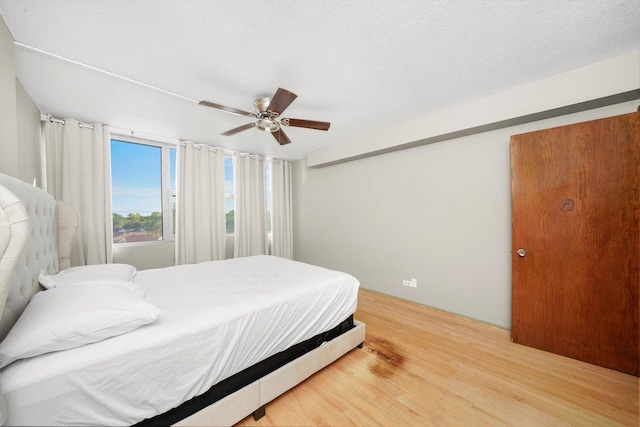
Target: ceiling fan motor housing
(261,105)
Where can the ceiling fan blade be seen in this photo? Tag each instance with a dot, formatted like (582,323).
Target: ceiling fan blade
(239,129)
(281,137)
(310,124)
(281,100)
(227,109)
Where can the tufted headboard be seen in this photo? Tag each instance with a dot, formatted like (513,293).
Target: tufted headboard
(35,235)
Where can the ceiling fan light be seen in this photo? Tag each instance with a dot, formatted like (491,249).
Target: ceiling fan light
(268,125)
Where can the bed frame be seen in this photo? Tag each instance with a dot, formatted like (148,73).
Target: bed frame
(36,234)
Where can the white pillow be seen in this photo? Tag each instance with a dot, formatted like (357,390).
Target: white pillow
(88,274)
(65,317)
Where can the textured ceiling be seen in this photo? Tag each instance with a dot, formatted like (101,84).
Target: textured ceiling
(359,64)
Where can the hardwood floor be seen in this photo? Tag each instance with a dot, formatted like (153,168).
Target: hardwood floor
(423,367)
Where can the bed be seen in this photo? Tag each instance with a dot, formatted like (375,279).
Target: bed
(215,342)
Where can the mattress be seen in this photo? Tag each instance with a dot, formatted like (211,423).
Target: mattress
(217,319)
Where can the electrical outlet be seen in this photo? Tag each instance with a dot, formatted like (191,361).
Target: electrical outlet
(413,283)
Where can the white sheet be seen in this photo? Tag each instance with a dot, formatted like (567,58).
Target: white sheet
(218,318)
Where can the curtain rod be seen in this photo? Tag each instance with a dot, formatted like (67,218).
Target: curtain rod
(224,150)
(113,130)
(63,122)
(236,153)
(136,134)
(125,132)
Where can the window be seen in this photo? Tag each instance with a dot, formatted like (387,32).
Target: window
(143,190)
(229,195)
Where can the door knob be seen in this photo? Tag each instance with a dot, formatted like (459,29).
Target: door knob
(521,252)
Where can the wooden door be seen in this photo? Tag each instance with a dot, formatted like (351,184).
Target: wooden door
(575,211)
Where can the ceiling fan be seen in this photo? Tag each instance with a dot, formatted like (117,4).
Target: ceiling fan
(268,111)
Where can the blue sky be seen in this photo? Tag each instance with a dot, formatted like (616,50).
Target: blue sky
(136,178)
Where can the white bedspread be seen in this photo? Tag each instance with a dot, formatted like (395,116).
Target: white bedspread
(218,318)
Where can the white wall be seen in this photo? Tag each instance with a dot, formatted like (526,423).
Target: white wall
(19,119)
(145,255)
(28,129)
(8,114)
(156,255)
(440,213)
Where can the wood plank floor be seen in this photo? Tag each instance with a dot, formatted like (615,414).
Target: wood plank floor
(423,367)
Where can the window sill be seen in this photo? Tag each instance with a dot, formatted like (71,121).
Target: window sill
(148,243)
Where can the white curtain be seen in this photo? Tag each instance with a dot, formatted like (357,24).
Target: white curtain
(251,206)
(78,171)
(200,216)
(281,209)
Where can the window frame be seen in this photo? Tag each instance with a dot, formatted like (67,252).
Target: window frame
(166,192)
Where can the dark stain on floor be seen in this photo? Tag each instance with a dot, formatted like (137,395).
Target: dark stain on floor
(387,360)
